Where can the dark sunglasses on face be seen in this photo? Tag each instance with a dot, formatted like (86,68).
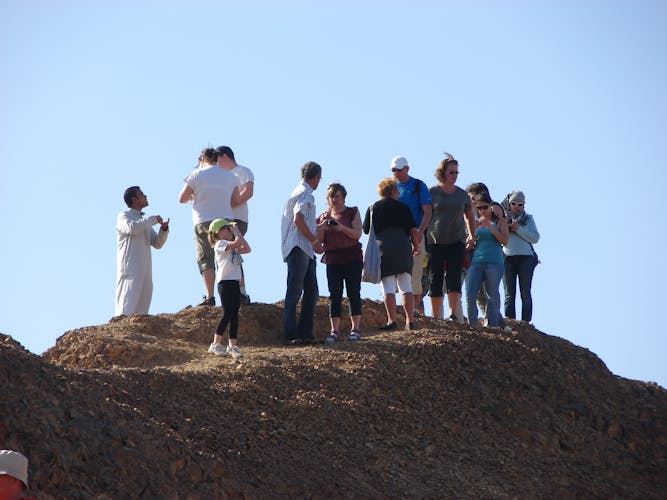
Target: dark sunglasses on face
(396,169)
(453,172)
(483,207)
(514,204)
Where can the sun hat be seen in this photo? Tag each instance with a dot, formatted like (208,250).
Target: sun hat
(14,464)
(398,163)
(218,224)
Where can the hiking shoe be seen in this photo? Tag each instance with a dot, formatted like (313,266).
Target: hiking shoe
(332,337)
(388,326)
(245,299)
(234,351)
(452,318)
(507,329)
(207,301)
(410,327)
(354,335)
(217,349)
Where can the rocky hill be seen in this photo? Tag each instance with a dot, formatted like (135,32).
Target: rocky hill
(136,408)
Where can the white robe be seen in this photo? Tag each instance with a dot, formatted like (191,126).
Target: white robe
(134,276)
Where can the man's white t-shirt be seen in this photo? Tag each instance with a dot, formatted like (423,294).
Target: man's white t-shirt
(243,175)
(213,187)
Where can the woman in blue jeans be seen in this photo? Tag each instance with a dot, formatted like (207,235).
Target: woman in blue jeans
(339,230)
(519,256)
(487,261)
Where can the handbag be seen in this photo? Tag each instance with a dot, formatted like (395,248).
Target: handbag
(371,270)
(536,259)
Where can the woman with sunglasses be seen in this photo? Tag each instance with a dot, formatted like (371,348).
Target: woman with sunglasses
(451,223)
(519,256)
(487,262)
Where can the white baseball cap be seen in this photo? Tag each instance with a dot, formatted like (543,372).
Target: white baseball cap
(398,163)
(13,463)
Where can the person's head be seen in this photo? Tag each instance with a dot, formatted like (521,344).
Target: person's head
(220,229)
(387,188)
(336,194)
(477,188)
(208,156)
(448,170)
(225,157)
(482,203)
(400,168)
(311,172)
(13,473)
(517,201)
(135,198)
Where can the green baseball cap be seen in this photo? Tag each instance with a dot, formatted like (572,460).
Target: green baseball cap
(218,224)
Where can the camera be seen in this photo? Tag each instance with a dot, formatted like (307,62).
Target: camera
(332,222)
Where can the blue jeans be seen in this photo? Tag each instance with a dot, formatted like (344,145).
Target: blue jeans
(489,274)
(301,279)
(519,266)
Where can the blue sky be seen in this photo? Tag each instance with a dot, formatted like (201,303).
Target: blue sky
(564,100)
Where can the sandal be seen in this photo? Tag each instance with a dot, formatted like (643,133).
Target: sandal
(354,335)
(388,326)
(332,337)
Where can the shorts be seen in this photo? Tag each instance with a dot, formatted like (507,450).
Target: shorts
(242,225)
(403,281)
(205,252)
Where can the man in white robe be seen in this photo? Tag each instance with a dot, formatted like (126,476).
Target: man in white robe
(134,283)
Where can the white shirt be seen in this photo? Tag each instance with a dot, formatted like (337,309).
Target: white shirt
(228,262)
(243,175)
(134,275)
(213,188)
(300,201)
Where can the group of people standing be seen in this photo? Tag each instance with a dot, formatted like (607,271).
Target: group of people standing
(441,233)
(219,189)
(428,239)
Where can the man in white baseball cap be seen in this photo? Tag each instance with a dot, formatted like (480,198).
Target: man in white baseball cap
(13,475)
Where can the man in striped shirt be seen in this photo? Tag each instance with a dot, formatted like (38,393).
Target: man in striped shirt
(299,246)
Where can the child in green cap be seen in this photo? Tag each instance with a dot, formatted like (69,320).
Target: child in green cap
(229,244)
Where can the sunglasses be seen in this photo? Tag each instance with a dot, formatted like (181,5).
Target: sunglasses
(396,169)
(483,207)
(514,204)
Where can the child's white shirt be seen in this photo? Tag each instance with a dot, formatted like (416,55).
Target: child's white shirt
(228,262)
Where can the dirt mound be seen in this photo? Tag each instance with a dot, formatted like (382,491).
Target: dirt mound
(137,408)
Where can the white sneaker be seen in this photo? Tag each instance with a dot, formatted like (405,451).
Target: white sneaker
(217,349)
(234,351)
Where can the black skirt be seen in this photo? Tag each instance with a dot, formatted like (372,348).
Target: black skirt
(395,251)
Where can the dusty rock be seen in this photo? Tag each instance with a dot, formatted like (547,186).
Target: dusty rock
(137,408)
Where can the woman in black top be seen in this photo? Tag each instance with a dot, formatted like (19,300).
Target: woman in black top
(396,234)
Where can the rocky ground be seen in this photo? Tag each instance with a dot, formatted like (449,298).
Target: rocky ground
(136,408)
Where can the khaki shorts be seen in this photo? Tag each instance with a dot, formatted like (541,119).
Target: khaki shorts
(242,225)
(205,252)
(417,268)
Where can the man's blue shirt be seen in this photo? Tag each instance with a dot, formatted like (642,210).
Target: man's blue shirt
(414,194)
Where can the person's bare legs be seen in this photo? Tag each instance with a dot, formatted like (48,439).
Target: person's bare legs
(390,306)
(208,276)
(335,324)
(436,307)
(408,301)
(356,322)
(454,299)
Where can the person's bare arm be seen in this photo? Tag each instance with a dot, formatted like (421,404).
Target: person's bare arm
(187,194)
